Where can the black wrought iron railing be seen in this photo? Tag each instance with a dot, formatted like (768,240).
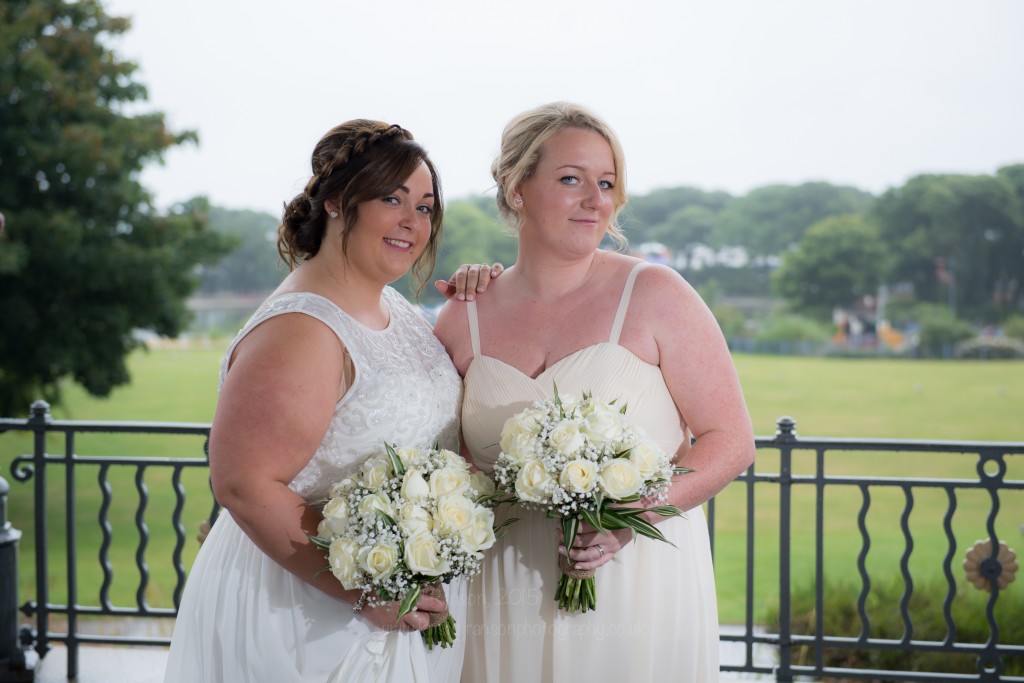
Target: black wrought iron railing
(809,511)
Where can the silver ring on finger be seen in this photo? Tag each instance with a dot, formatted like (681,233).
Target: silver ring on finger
(600,550)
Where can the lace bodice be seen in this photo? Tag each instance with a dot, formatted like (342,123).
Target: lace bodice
(406,390)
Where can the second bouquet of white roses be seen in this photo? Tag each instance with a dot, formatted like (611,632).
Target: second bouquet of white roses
(583,461)
(408,521)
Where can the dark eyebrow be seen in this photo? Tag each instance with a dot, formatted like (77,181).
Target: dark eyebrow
(426,195)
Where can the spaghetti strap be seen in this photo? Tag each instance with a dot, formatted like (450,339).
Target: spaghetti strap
(474,328)
(620,315)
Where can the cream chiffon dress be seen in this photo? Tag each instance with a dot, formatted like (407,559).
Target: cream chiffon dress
(244,618)
(656,616)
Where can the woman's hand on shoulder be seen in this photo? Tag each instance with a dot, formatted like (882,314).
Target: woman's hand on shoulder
(469,280)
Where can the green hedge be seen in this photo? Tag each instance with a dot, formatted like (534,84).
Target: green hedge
(841,619)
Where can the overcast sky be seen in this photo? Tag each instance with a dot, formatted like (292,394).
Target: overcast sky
(720,95)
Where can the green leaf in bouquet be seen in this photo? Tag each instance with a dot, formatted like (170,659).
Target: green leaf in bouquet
(558,400)
(630,518)
(628,499)
(396,462)
(387,518)
(570,525)
(593,519)
(500,530)
(681,470)
(409,601)
(666,510)
(499,498)
(318,541)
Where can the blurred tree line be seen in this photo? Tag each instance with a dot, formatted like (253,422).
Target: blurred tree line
(953,240)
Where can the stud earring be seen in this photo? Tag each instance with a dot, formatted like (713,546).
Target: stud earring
(517,201)
(334,214)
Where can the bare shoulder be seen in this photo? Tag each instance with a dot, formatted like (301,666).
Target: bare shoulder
(662,290)
(452,329)
(288,343)
(286,356)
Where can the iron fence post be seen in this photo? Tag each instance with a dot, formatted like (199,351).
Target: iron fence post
(38,421)
(785,438)
(13,666)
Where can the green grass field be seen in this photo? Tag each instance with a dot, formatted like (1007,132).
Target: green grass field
(965,400)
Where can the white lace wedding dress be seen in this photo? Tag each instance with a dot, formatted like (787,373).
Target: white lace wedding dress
(243,618)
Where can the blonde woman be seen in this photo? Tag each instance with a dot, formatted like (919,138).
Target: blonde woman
(571,313)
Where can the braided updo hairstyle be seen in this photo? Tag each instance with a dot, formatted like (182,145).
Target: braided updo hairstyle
(355,162)
(520,153)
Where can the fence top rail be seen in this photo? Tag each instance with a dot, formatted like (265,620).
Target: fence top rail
(108,426)
(786,436)
(848,444)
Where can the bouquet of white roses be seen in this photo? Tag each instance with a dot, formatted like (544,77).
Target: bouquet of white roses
(582,460)
(408,521)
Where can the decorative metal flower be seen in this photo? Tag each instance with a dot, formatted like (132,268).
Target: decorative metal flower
(981,568)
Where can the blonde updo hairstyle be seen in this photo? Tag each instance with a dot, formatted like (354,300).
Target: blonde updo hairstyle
(358,161)
(520,154)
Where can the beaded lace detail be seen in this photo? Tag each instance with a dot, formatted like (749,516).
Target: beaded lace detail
(406,390)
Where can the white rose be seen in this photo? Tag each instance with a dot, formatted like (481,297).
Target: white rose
(566,438)
(409,455)
(647,457)
(481,483)
(479,533)
(519,433)
(342,558)
(454,460)
(533,483)
(603,425)
(454,512)
(422,556)
(412,519)
(578,476)
(376,501)
(568,402)
(414,486)
(619,478)
(448,480)
(341,488)
(379,561)
(335,518)
(374,472)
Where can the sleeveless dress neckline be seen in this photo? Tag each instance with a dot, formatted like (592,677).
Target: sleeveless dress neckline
(592,348)
(366,328)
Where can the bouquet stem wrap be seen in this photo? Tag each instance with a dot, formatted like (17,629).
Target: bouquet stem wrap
(441,630)
(576,590)
(436,590)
